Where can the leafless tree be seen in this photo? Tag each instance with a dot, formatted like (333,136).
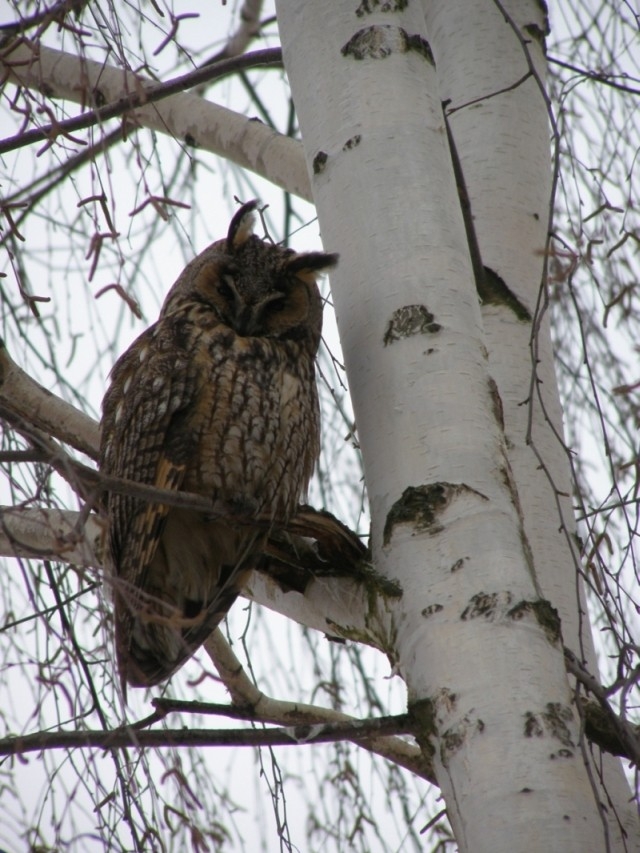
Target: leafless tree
(128,129)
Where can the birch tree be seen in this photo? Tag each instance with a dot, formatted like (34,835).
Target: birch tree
(430,143)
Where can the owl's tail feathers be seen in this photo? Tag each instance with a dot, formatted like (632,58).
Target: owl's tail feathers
(156,636)
(162,641)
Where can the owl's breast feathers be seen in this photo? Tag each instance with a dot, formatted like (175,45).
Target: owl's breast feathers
(255,422)
(231,418)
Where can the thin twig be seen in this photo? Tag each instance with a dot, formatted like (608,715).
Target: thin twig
(595,76)
(55,13)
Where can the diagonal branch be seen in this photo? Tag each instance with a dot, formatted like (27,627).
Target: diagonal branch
(248,29)
(326,584)
(602,726)
(338,602)
(145,94)
(42,18)
(187,117)
(249,701)
(28,401)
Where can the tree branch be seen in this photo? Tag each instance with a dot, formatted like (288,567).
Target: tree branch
(331,597)
(127,736)
(327,585)
(147,94)
(602,725)
(248,29)
(250,703)
(595,76)
(246,142)
(42,19)
(26,399)
(299,580)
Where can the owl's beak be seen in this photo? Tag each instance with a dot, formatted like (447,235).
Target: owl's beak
(246,320)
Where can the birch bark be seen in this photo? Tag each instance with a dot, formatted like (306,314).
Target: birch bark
(473,637)
(503,146)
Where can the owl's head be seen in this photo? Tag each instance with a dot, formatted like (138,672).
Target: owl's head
(254,287)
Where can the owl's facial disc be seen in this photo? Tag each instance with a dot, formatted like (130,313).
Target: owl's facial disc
(269,305)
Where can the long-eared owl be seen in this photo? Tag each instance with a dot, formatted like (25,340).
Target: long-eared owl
(217,398)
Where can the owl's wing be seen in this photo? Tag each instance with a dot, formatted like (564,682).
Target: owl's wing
(145,438)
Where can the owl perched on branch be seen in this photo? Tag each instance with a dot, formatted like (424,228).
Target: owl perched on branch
(217,398)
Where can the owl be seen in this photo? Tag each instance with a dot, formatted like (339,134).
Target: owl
(217,398)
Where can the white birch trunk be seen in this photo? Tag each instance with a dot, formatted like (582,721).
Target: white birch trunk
(370,122)
(503,145)
(469,634)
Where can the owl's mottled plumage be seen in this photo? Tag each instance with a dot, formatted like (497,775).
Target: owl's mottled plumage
(218,398)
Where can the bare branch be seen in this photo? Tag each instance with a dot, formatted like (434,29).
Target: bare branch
(338,603)
(52,534)
(197,122)
(42,19)
(603,726)
(249,700)
(247,30)
(596,76)
(129,737)
(148,94)
(31,402)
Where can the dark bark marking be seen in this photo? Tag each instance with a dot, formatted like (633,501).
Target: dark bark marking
(537,34)
(557,717)
(456,736)
(353,142)
(424,713)
(552,722)
(532,726)
(319,162)
(496,403)
(420,507)
(410,320)
(493,290)
(368,7)
(486,605)
(421,46)
(378,42)
(545,615)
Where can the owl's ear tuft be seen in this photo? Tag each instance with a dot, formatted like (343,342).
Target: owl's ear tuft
(241,226)
(314,262)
